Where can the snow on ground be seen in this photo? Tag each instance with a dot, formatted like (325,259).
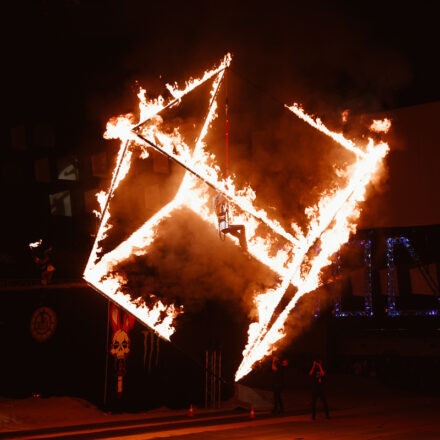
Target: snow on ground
(33,413)
(345,394)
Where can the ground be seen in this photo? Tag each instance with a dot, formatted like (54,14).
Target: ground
(361,409)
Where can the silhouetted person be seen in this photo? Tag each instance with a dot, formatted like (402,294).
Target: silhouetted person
(318,387)
(46,267)
(278,368)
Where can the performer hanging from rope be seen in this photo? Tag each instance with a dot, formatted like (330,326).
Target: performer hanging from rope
(221,206)
(222,211)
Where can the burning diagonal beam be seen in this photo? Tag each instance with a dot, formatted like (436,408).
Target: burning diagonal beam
(332,226)
(98,274)
(331,220)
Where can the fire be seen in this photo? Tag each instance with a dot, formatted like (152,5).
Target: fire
(36,244)
(317,123)
(331,220)
(380,125)
(99,272)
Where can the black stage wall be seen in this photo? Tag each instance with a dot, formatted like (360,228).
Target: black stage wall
(411,194)
(72,361)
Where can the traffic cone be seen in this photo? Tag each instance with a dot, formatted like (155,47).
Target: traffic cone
(191,411)
(252,414)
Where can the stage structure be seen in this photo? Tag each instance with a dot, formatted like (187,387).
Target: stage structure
(368,301)
(392,309)
(390,286)
(331,220)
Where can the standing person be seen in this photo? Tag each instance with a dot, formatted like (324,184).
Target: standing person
(319,378)
(278,367)
(46,267)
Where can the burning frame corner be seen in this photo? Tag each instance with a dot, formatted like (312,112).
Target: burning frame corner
(332,220)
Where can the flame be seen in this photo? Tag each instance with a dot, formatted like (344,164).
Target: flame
(99,271)
(331,220)
(318,124)
(380,125)
(36,244)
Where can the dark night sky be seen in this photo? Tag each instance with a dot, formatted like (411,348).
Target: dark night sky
(75,63)
(366,56)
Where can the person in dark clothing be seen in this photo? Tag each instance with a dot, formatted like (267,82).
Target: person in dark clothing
(46,266)
(318,387)
(278,368)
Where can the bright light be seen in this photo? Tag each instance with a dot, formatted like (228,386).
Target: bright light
(331,220)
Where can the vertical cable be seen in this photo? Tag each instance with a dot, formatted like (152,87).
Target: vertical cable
(227,139)
(206,378)
(106,352)
(219,394)
(226,128)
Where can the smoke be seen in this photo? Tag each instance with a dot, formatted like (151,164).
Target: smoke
(329,59)
(325,62)
(188,263)
(319,55)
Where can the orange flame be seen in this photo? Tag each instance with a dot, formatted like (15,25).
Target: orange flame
(99,272)
(331,220)
(380,125)
(36,244)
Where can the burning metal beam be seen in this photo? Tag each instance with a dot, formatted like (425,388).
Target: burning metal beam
(332,219)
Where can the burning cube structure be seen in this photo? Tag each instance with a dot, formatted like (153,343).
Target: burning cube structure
(331,220)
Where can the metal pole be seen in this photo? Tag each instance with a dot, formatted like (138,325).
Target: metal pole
(212,380)
(219,372)
(215,378)
(197,362)
(227,139)
(211,377)
(174,159)
(106,352)
(206,379)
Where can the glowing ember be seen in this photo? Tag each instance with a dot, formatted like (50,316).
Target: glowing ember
(331,220)
(380,125)
(36,244)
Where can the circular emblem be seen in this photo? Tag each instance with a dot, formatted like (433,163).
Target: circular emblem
(43,323)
